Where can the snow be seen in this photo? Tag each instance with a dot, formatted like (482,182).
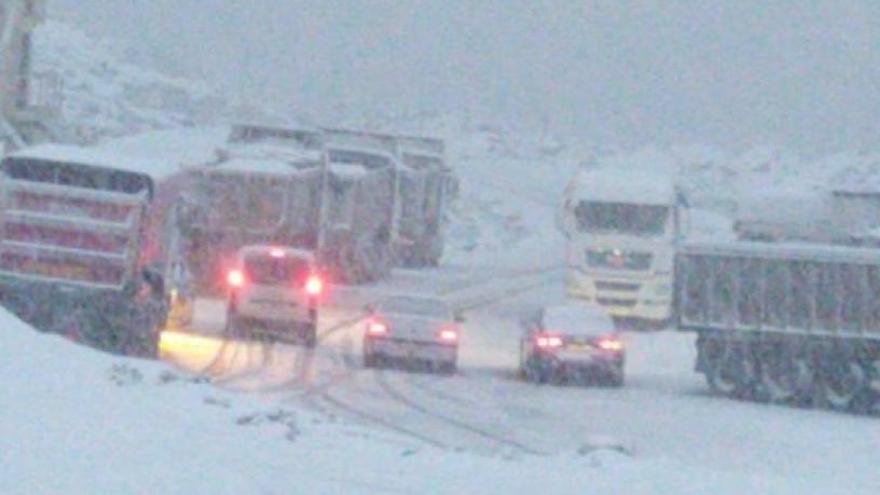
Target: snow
(263,167)
(578,319)
(627,186)
(84,422)
(156,169)
(76,421)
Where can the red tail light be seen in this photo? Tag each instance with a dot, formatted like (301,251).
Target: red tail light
(377,328)
(610,344)
(548,341)
(448,335)
(314,285)
(235,278)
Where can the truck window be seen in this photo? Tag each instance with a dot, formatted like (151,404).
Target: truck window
(648,220)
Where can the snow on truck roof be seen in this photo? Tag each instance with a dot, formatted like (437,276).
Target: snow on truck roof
(577,319)
(256,166)
(102,158)
(629,186)
(795,251)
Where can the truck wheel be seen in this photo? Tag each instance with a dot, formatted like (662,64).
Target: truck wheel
(845,382)
(731,371)
(786,377)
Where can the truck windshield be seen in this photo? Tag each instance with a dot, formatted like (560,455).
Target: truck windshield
(621,218)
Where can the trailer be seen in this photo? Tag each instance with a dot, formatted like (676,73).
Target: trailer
(422,189)
(263,186)
(289,186)
(425,194)
(789,323)
(91,246)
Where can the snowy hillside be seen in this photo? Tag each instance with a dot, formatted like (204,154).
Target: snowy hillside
(104,94)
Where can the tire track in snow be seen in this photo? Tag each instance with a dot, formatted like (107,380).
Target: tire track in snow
(482,432)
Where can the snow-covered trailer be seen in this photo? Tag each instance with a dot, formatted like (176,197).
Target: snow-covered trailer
(793,323)
(265,186)
(423,228)
(422,183)
(359,217)
(90,245)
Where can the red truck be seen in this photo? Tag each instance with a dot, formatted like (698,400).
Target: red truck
(91,245)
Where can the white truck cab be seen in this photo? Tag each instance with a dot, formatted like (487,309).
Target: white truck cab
(274,290)
(622,228)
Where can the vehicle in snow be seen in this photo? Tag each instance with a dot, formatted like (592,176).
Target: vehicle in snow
(274,291)
(91,245)
(289,187)
(360,198)
(413,329)
(622,228)
(425,186)
(844,215)
(422,187)
(571,342)
(784,322)
(265,187)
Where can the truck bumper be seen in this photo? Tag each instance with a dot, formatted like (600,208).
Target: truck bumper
(644,301)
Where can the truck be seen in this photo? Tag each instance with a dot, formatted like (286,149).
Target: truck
(425,193)
(291,187)
(842,215)
(91,245)
(621,229)
(422,185)
(264,185)
(786,322)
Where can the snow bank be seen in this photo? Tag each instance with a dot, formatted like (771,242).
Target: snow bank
(76,421)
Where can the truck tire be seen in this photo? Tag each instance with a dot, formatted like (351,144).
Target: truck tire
(845,382)
(786,377)
(731,370)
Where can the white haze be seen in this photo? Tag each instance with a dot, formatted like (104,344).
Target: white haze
(800,74)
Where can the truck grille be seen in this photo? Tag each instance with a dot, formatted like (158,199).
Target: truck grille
(616,259)
(617,286)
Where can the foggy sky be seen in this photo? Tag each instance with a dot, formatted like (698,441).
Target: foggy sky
(805,74)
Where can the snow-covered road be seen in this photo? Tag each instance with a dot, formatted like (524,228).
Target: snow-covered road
(664,411)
